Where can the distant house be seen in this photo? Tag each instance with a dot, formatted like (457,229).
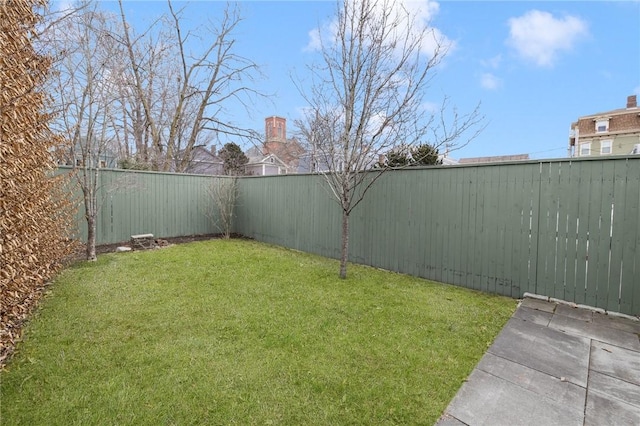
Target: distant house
(266,165)
(205,162)
(615,132)
(494,159)
(106,158)
(311,162)
(447,161)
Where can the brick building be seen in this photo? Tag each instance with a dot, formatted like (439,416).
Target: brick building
(278,155)
(614,132)
(276,142)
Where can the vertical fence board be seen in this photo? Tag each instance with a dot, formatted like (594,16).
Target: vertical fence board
(457,251)
(572,204)
(605,235)
(513,203)
(582,233)
(493,229)
(503,254)
(561,260)
(617,235)
(635,281)
(630,274)
(432,220)
(545,231)
(465,241)
(593,233)
(479,213)
(447,227)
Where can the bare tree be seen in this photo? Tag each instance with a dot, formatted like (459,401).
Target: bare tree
(84,88)
(146,98)
(368,98)
(85,91)
(182,95)
(224,195)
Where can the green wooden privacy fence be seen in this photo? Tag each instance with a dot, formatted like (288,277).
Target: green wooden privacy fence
(138,202)
(559,228)
(564,229)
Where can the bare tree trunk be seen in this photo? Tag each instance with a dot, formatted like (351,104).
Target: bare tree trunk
(90,215)
(91,239)
(345,244)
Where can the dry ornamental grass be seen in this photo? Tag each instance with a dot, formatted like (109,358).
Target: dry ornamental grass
(35,210)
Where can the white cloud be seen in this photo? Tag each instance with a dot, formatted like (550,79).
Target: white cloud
(424,11)
(421,12)
(315,41)
(430,107)
(540,37)
(490,82)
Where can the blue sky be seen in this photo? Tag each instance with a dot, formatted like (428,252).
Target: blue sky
(534,66)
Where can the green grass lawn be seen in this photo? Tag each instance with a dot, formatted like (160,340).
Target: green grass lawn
(239,332)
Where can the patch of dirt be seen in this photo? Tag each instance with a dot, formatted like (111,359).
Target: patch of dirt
(164,242)
(160,241)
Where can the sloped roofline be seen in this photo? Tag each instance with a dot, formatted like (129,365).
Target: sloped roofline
(619,111)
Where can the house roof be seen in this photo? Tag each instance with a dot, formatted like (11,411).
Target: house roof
(200,153)
(619,111)
(494,159)
(266,160)
(448,161)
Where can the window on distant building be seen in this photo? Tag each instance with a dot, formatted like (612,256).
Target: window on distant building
(602,126)
(605,146)
(585,149)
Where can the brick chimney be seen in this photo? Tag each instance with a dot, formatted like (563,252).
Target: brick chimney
(275,128)
(632,102)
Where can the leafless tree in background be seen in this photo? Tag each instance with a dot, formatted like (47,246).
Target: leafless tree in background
(147,98)
(88,62)
(182,95)
(368,97)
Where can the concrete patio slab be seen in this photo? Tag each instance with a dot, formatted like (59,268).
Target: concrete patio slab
(616,362)
(555,389)
(554,364)
(596,331)
(617,323)
(619,389)
(603,410)
(488,400)
(574,312)
(544,349)
(533,315)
